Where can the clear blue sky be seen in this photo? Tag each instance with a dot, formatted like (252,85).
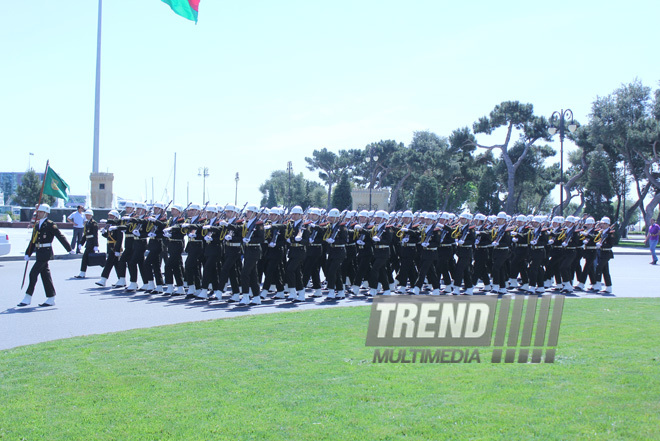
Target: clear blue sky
(256,84)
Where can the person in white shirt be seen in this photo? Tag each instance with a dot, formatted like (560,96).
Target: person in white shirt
(78,220)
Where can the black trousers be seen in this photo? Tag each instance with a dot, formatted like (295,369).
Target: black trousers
(519,264)
(249,279)
(349,267)
(85,258)
(174,263)
(407,269)
(336,257)
(152,263)
(312,266)
(294,268)
(111,262)
(481,260)
(378,272)
(193,264)
(499,273)
(231,269)
(40,268)
(589,267)
(273,269)
(567,265)
(603,266)
(427,262)
(212,254)
(137,260)
(463,271)
(445,264)
(536,273)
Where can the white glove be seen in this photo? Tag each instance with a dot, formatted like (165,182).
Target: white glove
(167,234)
(551,241)
(152,234)
(102,231)
(208,238)
(228,237)
(376,239)
(152,219)
(103,221)
(267,227)
(358,227)
(246,240)
(533,242)
(96,249)
(461,242)
(425,244)
(70,252)
(404,229)
(223,223)
(136,232)
(271,244)
(585,241)
(288,241)
(185,225)
(26,257)
(206,227)
(515,239)
(495,244)
(117,254)
(112,228)
(598,245)
(330,240)
(298,238)
(359,242)
(564,244)
(192,235)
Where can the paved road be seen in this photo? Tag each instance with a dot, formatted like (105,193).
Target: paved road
(83,308)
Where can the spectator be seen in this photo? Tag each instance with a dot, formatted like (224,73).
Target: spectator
(78,220)
(652,239)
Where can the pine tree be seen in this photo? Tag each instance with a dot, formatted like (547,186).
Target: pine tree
(599,189)
(426,194)
(27,194)
(272,198)
(341,197)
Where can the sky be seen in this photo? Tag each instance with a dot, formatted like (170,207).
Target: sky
(257,84)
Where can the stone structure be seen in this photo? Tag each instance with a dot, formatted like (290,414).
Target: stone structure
(380,199)
(101,191)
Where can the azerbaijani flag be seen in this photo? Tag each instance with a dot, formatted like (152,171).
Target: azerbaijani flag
(185,8)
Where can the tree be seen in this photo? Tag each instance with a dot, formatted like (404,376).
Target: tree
(488,201)
(513,115)
(27,193)
(598,189)
(331,166)
(303,192)
(426,194)
(341,197)
(272,199)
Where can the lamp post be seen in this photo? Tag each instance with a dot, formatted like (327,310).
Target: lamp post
(371,158)
(29,162)
(289,169)
(204,172)
(560,117)
(236,193)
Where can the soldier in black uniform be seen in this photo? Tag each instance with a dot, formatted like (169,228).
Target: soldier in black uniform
(538,239)
(154,226)
(42,243)
(382,235)
(274,254)
(569,240)
(253,234)
(123,226)
(483,244)
(429,239)
(90,239)
(520,251)
(501,239)
(408,241)
(174,240)
(464,239)
(296,236)
(336,236)
(114,238)
(587,236)
(365,252)
(192,227)
(314,253)
(604,241)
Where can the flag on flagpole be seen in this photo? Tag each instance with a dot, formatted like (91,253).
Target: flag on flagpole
(185,8)
(55,186)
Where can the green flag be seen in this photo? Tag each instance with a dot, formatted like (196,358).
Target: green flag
(55,186)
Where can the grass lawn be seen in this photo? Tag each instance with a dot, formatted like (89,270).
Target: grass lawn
(308,375)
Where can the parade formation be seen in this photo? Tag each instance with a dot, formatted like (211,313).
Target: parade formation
(250,254)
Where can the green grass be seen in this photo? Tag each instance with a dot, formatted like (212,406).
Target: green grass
(308,375)
(632,244)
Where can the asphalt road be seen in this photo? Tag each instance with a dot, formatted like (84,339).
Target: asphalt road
(83,308)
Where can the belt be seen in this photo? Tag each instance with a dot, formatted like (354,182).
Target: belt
(140,238)
(127,235)
(314,245)
(380,247)
(43,245)
(570,248)
(296,245)
(484,246)
(350,244)
(590,248)
(538,247)
(232,244)
(89,236)
(253,244)
(431,249)
(521,244)
(340,246)
(194,240)
(465,246)
(175,240)
(409,244)
(501,248)
(446,245)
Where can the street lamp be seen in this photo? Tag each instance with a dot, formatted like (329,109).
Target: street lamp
(289,169)
(236,193)
(562,115)
(204,172)
(371,158)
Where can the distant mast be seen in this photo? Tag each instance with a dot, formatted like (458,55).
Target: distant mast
(97,96)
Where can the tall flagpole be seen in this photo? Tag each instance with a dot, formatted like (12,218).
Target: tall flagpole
(97,97)
(36,221)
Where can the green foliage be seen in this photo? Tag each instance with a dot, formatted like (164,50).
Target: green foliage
(488,201)
(303,192)
(426,194)
(27,194)
(341,197)
(598,190)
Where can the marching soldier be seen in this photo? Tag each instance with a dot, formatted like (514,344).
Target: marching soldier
(408,239)
(193,229)
(501,238)
(430,238)
(253,237)
(604,241)
(90,240)
(174,240)
(537,244)
(114,239)
(483,244)
(154,226)
(381,235)
(587,236)
(464,237)
(43,234)
(336,236)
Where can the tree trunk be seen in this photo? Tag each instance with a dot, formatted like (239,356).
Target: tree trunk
(397,189)
(329,196)
(650,208)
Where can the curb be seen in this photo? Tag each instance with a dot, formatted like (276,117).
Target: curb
(56,257)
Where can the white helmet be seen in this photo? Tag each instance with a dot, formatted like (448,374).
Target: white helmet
(538,219)
(558,219)
(89,211)
(44,207)
(230,207)
(159,205)
(193,207)
(445,216)
(382,214)
(297,210)
(501,215)
(521,218)
(252,208)
(333,213)
(479,217)
(605,220)
(492,218)
(179,208)
(407,213)
(142,205)
(363,213)
(590,221)
(114,213)
(129,204)
(212,208)
(465,215)
(274,210)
